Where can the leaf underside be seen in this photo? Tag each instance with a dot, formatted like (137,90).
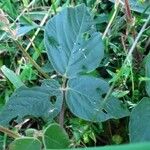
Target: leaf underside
(72,42)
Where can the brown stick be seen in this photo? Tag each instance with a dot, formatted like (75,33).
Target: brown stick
(9,132)
(128,11)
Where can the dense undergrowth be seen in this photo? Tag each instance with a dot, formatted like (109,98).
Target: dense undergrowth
(74,73)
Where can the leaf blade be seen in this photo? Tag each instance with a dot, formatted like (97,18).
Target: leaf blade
(26,102)
(69,50)
(25,143)
(84,98)
(55,137)
(13,78)
(139,125)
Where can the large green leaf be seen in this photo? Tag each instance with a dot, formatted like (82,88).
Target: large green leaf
(44,102)
(139,126)
(26,143)
(72,43)
(84,97)
(138,5)
(55,137)
(147,72)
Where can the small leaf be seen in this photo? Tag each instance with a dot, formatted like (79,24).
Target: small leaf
(120,93)
(28,73)
(72,43)
(147,72)
(139,126)
(44,102)
(116,108)
(84,97)
(55,137)
(12,77)
(35,15)
(23,30)
(26,143)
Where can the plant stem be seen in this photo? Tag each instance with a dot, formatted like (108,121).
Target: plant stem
(24,10)
(9,132)
(61,115)
(31,60)
(54,4)
(116,6)
(4,141)
(128,11)
(27,55)
(137,39)
(38,29)
(126,60)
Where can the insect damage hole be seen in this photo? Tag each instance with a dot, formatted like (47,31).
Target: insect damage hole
(103,95)
(86,36)
(104,111)
(53,99)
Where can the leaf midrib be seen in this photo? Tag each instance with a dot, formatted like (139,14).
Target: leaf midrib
(68,64)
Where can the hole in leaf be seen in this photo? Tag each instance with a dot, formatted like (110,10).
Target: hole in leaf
(13,121)
(103,72)
(103,95)
(98,89)
(104,111)
(86,36)
(33,122)
(53,99)
(84,67)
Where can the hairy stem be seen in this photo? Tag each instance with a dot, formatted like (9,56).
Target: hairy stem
(128,11)
(61,115)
